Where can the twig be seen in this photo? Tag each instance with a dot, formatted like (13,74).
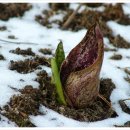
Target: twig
(71,17)
(104,99)
(30,43)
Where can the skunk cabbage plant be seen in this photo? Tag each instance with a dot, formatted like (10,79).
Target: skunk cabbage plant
(79,72)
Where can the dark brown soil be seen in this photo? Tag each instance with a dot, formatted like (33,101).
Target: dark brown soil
(58,6)
(116,57)
(106,87)
(127,79)
(26,52)
(93,4)
(124,107)
(119,42)
(97,111)
(3,28)
(87,18)
(21,106)
(107,49)
(29,65)
(13,10)
(127,124)
(115,12)
(127,71)
(2,57)
(12,37)
(27,103)
(45,51)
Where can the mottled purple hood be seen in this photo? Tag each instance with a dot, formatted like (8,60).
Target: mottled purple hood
(86,56)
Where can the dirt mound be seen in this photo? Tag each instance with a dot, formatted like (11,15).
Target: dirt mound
(27,52)
(12,10)
(27,103)
(29,65)
(87,18)
(119,42)
(45,51)
(21,106)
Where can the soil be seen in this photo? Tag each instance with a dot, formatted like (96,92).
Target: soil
(45,51)
(93,4)
(12,37)
(2,57)
(87,18)
(30,99)
(116,57)
(13,10)
(127,79)
(3,28)
(127,71)
(127,124)
(124,107)
(29,65)
(107,49)
(119,42)
(27,52)
(58,6)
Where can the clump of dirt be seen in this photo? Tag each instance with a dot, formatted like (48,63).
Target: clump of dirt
(93,4)
(107,49)
(127,79)
(2,57)
(106,87)
(12,37)
(82,20)
(29,65)
(124,107)
(13,10)
(127,124)
(116,13)
(127,71)
(26,52)
(97,111)
(119,42)
(45,51)
(116,57)
(3,28)
(21,106)
(27,103)
(58,6)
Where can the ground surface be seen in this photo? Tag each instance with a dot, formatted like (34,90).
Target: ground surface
(27,97)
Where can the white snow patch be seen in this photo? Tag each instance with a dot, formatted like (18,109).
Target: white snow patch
(120,29)
(126,8)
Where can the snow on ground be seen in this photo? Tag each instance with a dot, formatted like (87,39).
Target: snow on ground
(26,29)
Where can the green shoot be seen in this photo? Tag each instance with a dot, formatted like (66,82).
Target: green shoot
(59,55)
(55,65)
